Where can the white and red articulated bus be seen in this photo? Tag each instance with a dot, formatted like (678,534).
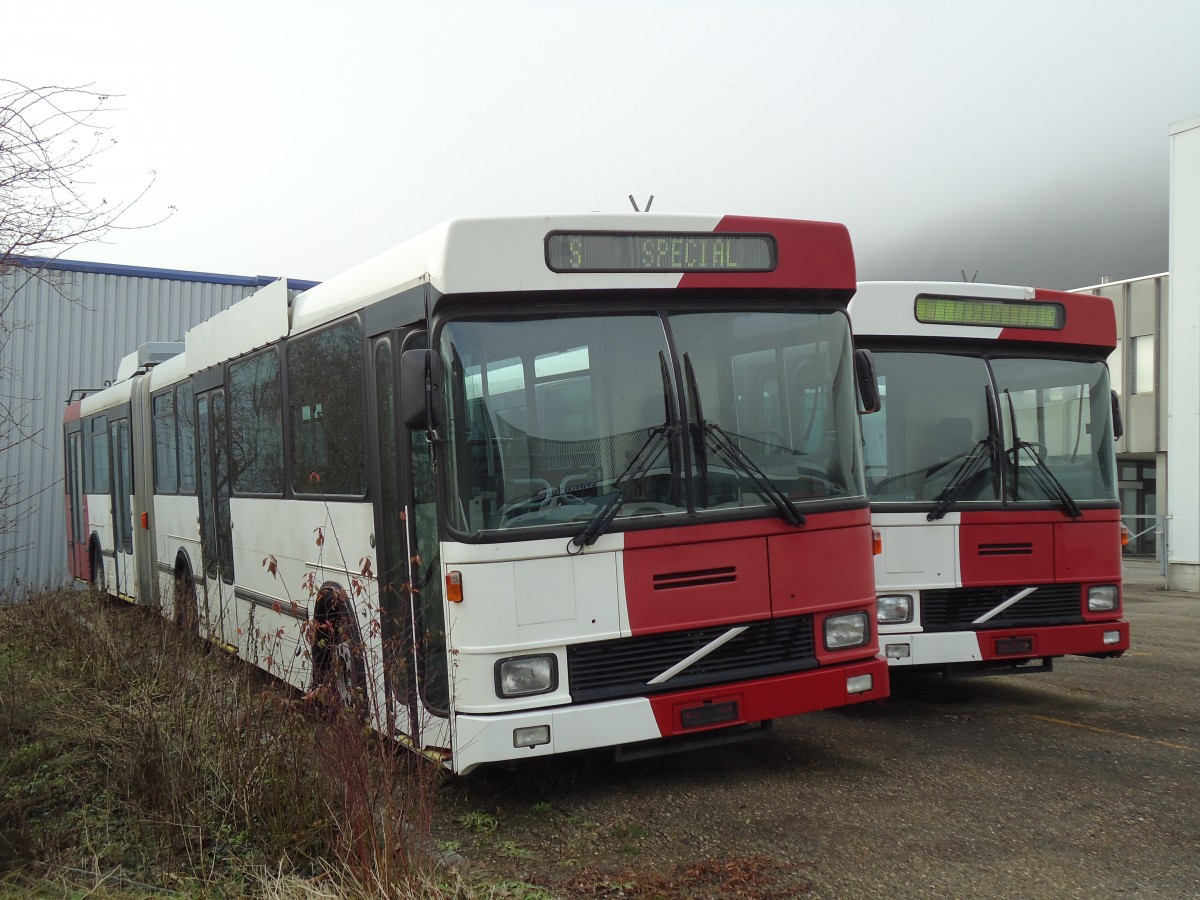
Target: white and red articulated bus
(521,486)
(992,475)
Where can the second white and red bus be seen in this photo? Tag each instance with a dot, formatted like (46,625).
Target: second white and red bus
(992,475)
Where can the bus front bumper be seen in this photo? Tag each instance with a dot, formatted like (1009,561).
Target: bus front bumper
(481,739)
(1005,645)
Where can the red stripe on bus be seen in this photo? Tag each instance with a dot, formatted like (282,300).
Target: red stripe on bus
(733,572)
(1039,546)
(1057,640)
(1090,321)
(814,255)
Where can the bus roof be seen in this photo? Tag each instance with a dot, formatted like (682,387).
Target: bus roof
(489,255)
(945,309)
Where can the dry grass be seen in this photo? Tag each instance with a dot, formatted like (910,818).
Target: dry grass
(136,762)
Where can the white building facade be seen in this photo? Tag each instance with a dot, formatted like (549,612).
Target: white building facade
(1156,370)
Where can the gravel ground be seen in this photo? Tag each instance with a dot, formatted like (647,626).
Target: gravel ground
(1083,782)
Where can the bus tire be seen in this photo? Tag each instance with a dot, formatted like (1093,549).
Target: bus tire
(338,673)
(187,616)
(98,581)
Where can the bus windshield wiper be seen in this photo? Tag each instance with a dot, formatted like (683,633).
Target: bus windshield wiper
(736,458)
(641,463)
(731,454)
(1041,473)
(1045,478)
(638,466)
(977,457)
(696,428)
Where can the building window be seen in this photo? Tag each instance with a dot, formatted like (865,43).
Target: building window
(1143,364)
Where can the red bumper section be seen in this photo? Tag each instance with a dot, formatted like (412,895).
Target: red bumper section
(1059,640)
(747,702)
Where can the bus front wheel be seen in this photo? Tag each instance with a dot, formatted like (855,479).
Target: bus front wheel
(187,618)
(99,582)
(337,652)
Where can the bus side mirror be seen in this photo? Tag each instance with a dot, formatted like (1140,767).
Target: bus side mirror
(1118,425)
(420,382)
(868,383)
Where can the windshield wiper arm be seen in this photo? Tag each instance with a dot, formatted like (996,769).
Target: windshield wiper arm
(641,463)
(1046,478)
(1041,472)
(638,466)
(967,470)
(736,458)
(696,426)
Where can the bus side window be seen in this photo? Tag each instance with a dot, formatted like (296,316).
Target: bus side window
(325,392)
(185,438)
(166,461)
(99,481)
(256,424)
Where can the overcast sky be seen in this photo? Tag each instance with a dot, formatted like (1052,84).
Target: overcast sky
(1017,141)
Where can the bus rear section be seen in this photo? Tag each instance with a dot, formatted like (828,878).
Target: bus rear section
(992,476)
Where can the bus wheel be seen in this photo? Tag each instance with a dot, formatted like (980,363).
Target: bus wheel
(186,616)
(337,655)
(99,583)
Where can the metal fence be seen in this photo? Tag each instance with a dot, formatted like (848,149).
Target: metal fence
(1139,527)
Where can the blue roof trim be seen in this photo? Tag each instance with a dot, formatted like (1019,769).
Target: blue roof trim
(92,268)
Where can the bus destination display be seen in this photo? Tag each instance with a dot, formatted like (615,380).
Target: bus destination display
(608,252)
(993,313)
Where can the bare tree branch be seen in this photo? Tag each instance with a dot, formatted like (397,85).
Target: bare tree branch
(50,136)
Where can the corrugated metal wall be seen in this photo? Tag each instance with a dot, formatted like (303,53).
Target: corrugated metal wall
(73,327)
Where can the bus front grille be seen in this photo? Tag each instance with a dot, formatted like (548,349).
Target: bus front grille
(624,667)
(956,609)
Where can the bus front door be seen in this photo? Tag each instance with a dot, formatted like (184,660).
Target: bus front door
(121,489)
(395,601)
(409,568)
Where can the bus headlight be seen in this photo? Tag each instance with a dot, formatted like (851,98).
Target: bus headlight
(848,630)
(521,676)
(893,609)
(1103,598)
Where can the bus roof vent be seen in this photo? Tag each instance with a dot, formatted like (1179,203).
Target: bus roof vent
(146,357)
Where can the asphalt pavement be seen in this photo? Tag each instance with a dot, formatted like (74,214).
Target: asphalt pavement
(1080,782)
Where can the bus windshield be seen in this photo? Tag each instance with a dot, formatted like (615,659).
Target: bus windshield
(1057,417)
(553,420)
(935,437)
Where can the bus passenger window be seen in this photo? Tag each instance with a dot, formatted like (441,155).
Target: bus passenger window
(99,481)
(256,424)
(186,438)
(166,463)
(325,392)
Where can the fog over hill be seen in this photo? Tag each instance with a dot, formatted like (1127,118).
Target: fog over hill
(1064,235)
